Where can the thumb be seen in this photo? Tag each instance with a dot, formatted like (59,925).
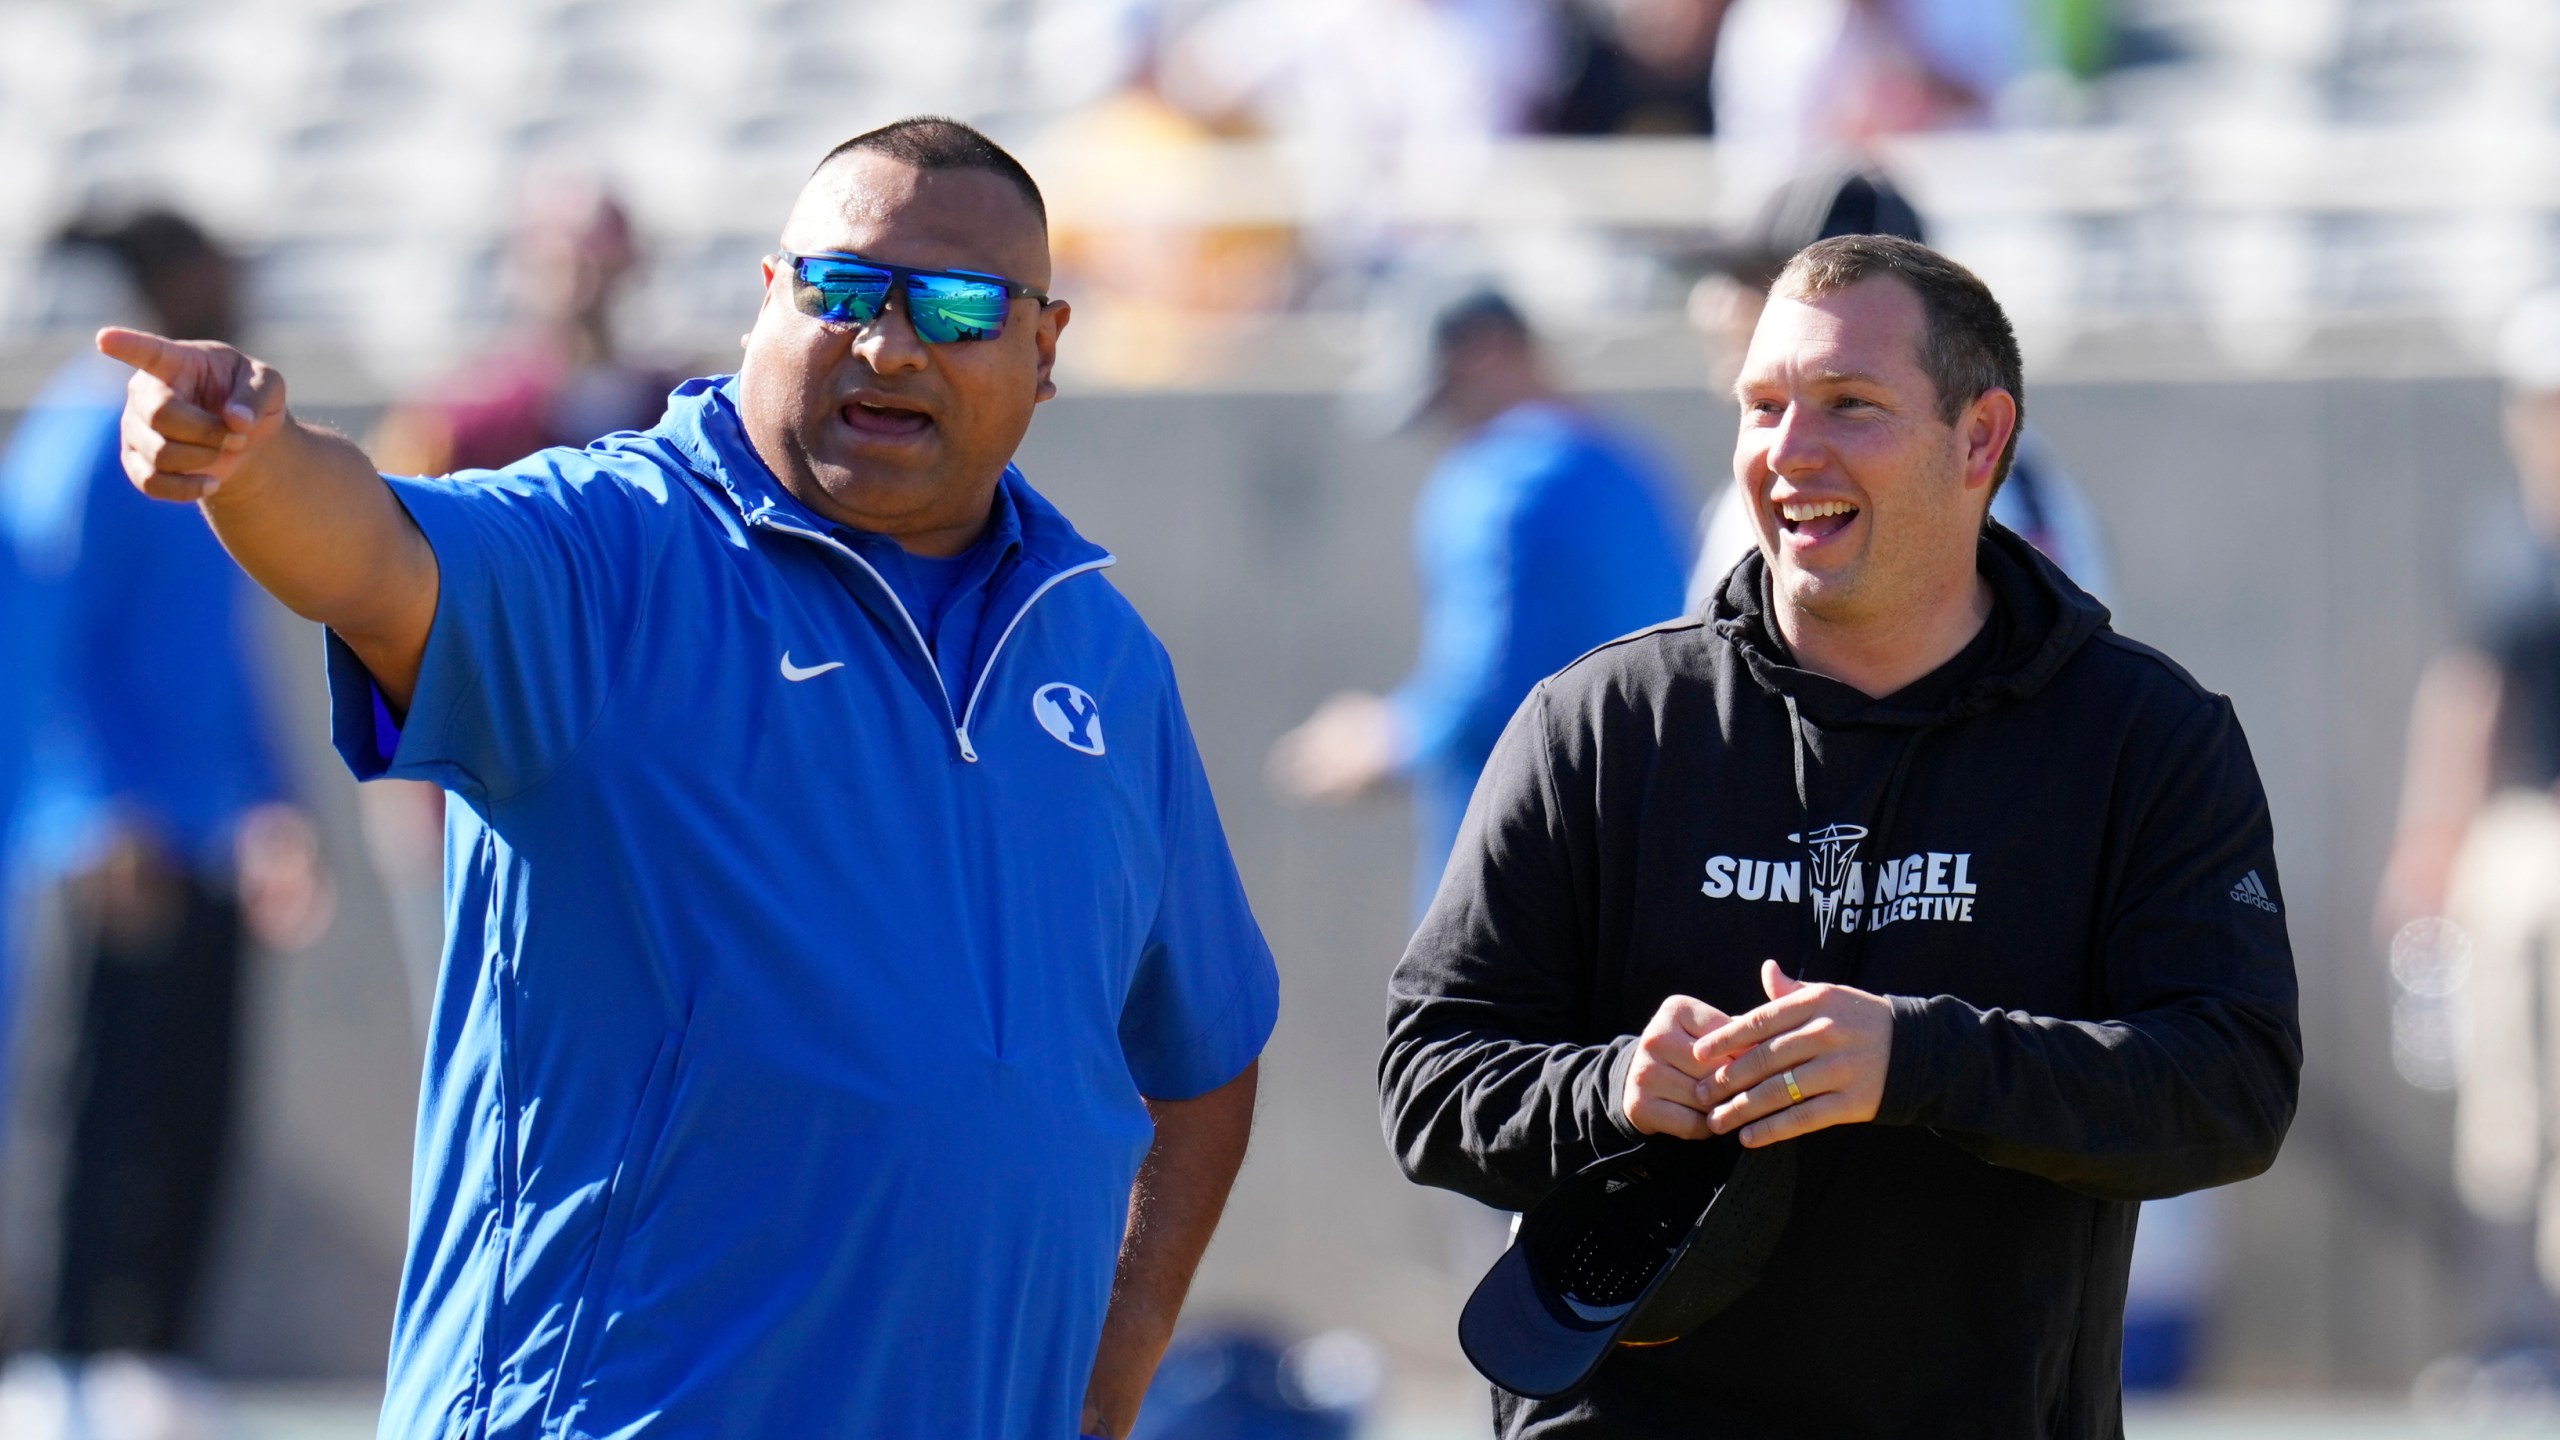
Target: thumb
(1776,983)
(144,351)
(1695,1017)
(257,392)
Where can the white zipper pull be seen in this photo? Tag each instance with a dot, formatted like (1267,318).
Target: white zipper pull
(968,751)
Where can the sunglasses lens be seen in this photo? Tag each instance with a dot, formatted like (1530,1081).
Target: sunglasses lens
(839,292)
(945,308)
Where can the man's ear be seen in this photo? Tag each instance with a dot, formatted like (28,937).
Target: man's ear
(768,270)
(1054,315)
(1985,428)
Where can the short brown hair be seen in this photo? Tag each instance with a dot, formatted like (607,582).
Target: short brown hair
(1968,349)
(938,142)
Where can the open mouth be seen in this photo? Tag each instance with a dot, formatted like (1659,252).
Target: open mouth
(1815,520)
(885,419)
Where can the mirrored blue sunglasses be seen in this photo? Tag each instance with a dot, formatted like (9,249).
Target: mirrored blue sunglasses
(942,305)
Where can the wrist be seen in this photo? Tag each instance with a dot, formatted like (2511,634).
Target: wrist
(1908,1083)
(1614,1083)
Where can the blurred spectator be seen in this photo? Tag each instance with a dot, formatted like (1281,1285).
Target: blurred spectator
(1157,285)
(157,794)
(1542,533)
(2486,720)
(1799,79)
(2039,500)
(1639,67)
(560,379)
(2479,844)
(1375,99)
(17,739)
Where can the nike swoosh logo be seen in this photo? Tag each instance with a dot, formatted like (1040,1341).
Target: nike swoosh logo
(795,672)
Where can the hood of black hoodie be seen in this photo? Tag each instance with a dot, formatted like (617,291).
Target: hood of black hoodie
(2040,620)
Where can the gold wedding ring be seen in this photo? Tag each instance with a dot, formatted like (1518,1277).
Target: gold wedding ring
(1794,1095)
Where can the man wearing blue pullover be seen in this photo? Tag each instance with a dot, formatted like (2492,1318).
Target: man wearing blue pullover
(851,1019)
(1541,533)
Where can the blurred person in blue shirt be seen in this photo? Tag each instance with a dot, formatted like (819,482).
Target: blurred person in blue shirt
(1543,532)
(154,793)
(17,738)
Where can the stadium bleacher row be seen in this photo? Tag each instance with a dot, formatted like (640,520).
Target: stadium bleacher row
(369,154)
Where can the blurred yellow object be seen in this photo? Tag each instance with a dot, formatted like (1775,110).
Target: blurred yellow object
(1163,239)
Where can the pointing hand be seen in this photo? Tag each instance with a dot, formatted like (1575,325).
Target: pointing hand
(194,411)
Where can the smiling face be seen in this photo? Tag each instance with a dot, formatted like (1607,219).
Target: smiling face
(1865,501)
(868,425)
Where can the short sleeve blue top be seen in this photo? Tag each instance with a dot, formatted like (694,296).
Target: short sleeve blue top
(787,1065)
(1543,534)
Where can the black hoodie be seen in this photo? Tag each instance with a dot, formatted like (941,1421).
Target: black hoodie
(2053,853)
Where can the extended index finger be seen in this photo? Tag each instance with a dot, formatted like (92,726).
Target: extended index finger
(1761,1024)
(144,351)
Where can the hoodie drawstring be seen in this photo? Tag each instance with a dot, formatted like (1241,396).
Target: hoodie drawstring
(1795,735)
(1886,807)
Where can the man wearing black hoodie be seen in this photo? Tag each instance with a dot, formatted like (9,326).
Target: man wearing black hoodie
(1898,855)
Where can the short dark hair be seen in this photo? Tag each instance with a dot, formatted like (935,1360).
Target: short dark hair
(938,142)
(146,244)
(1968,348)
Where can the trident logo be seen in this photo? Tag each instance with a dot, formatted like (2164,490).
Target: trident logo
(1831,866)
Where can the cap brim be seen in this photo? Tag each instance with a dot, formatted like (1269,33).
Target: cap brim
(1524,1335)
(1515,1339)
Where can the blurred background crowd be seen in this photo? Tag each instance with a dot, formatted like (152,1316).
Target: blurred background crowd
(1390,315)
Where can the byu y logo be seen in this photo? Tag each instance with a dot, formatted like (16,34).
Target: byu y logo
(1069,714)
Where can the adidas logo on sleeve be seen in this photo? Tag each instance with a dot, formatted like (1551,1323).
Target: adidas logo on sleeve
(2253,891)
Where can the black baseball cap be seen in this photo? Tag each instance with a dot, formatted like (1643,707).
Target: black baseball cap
(1845,198)
(1635,1249)
(1425,321)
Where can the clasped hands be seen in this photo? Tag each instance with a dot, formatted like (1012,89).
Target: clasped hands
(1699,1072)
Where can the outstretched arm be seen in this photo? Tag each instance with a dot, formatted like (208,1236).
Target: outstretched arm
(1173,1210)
(301,509)
(2453,734)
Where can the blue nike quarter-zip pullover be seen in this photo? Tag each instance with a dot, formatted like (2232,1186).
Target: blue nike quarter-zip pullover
(787,1065)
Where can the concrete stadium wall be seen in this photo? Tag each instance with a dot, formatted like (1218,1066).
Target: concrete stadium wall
(2293,543)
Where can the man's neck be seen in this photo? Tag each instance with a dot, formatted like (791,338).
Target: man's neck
(936,536)
(1472,414)
(931,540)
(1879,654)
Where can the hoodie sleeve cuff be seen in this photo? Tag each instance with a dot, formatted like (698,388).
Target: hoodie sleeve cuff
(1613,1079)
(1915,1074)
